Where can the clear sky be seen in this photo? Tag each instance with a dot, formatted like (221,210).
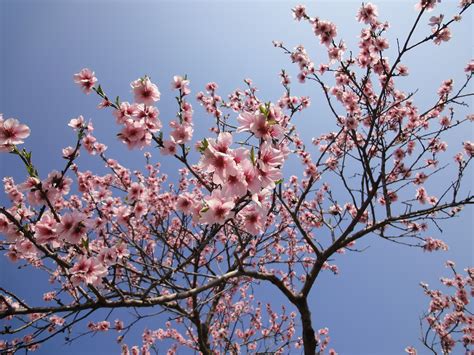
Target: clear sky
(373,306)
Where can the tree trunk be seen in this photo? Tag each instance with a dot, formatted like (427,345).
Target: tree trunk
(203,339)
(309,340)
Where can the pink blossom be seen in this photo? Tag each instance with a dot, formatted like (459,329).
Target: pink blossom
(469,148)
(145,91)
(443,35)
(432,244)
(45,230)
(299,12)
(185,203)
(86,80)
(12,132)
(88,270)
(182,133)
(73,227)
(218,208)
(181,83)
(234,184)
(470,67)
(76,123)
(367,14)
(135,134)
(169,147)
(326,31)
(421,195)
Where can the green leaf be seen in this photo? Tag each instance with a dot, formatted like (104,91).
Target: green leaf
(85,243)
(252,155)
(204,144)
(100,91)
(278,182)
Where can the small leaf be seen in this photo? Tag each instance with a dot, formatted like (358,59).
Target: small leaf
(204,144)
(100,91)
(85,243)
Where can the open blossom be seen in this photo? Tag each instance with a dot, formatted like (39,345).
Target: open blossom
(299,12)
(181,83)
(145,91)
(259,124)
(182,133)
(443,35)
(185,203)
(432,244)
(12,132)
(469,67)
(469,148)
(367,14)
(135,134)
(86,80)
(326,31)
(169,147)
(76,123)
(421,195)
(218,208)
(45,230)
(234,184)
(426,4)
(88,270)
(73,227)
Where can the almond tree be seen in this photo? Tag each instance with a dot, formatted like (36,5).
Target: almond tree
(195,249)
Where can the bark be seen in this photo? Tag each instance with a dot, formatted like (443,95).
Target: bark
(309,340)
(203,339)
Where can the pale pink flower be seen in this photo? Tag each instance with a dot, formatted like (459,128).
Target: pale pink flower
(251,175)
(421,195)
(442,36)
(182,133)
(185,203)
(436,20)
(169,147)
(76,123)
(234,184)
(218,208)
(125,111)
(326,31)
(432,244)
(426,4)
(86,80)
(73,227)
(88,270)
(219,163)
(145,91)
(135,134)
(299,12)
(181,83)
(367,14)
(270,157)
(45,231)
(470,67)
(469,148)
(12,132)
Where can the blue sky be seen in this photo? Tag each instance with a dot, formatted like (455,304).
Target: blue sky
(373,306)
